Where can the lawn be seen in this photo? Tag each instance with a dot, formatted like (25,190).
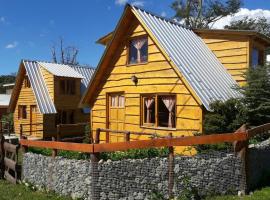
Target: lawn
(263,194)
(21,192)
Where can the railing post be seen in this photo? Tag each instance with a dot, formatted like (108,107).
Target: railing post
(127,136)
(58,132)
(54,151)
(95,157)
(21,131)
(171,170)
(107,137)
(2,156)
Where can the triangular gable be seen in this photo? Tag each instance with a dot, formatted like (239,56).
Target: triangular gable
(201,70)
(38,85)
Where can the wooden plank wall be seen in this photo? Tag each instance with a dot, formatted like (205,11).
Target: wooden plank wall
(232,51)
(26,97)
(49,80)
(157,76)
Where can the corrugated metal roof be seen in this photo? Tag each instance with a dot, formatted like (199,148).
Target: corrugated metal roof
(60,70)
(202,69)
(44,102)
(4,100)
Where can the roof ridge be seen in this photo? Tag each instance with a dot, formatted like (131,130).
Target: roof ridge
(159,16)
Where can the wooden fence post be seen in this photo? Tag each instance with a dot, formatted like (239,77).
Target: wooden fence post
(2,156)
(58,132)
(171,170)
(21,131)
(95,157)
(107,137)
(54,151)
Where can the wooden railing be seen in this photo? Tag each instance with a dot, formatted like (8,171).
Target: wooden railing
(71,132)
(6,127)
(26,129)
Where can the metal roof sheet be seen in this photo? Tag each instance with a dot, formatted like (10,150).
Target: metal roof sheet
(4,100)
(201,68)
(44,102)
(60,70)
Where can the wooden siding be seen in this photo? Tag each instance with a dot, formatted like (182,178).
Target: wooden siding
(232,51)
(49,80)
(155,76)
(27,98)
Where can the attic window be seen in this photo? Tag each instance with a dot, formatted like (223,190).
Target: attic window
(138,50)
(26,82)
(67,87)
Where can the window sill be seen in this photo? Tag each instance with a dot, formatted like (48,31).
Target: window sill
(134,64)
(159,128)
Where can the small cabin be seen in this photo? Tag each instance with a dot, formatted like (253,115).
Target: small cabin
(5,98)
(47,94)
(156,76)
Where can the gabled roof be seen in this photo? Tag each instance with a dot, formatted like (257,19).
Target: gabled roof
(40,90)
(197,63)
(60,70)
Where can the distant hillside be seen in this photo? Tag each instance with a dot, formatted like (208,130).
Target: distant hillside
(4,80)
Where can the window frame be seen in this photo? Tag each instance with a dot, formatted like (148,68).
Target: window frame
(128,50)
(22,112)
(261,55)
(67,86)
(26,82)
(156,125)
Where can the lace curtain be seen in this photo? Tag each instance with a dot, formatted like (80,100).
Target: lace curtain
(169,102)
(148,103)
(138,44)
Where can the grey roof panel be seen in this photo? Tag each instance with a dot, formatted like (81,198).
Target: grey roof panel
(44,102)
(202,69)
(4,100)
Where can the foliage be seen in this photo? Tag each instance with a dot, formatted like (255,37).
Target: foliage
(21,192)
(263,194)
(256,94)
(87,135)
(203,14)
(5,80)
(8,118)
(259,24)
(135,154)
(226,117)
(189,191)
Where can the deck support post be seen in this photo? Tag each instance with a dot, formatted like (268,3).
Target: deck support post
(54,151)
(2,156)
(171,170)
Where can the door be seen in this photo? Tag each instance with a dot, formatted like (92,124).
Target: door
(33,120)
(116,116)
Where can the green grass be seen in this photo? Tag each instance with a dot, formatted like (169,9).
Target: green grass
(263,194)
(21,192)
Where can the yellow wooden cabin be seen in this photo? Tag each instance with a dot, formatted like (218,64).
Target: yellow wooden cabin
(47,94)
(156,76)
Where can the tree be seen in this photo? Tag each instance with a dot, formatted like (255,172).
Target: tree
(6,79)
(259,24)
(256,95)
(203,13)
(66,55)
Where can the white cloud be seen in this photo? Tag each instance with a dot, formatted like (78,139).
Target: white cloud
(243,12)
(12,45)
(121,2)
(163,14)
(138,3)
(2,19)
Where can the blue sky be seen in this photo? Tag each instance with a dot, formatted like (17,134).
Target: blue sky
(28,28)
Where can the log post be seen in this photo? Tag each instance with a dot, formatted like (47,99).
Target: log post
(127,138)
(21,131)
(171,170)
(107,137)
(54,151)
(2,156)
(58,132)
(95,157)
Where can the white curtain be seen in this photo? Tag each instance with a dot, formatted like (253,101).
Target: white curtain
(138,44)
(169,102)
(148,103)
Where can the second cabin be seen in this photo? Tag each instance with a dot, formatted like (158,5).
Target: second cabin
(47,94)
(155,76)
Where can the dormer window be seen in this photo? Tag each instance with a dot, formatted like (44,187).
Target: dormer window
(26,82)
(67,87)
(138,50)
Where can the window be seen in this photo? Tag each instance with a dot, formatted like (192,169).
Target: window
(159,110)
(257,57)
(65,117)
(22,113)
(26,82)
(117,101)
(138,50)
(67,87)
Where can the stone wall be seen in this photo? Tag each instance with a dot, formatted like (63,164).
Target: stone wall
(217,173)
